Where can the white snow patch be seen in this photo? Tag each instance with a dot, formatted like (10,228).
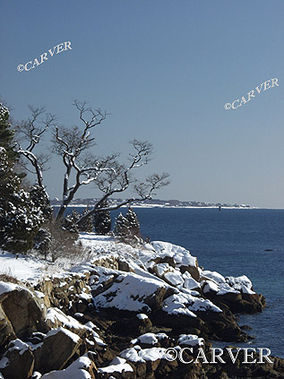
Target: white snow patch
(17,344)
(210,286)
(117,365)
(240,283)
(186,304)
(218,278)
(152,354)
(21,267)
(136,354)
(72,335)
(77,370)
(175,278)
(162,268)
(142,316)
(181,256)
(4,362)
(190,340)
(55,314)
(128,292)
(149,338)
(8,287)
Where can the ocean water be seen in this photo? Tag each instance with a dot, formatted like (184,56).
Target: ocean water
(232,242)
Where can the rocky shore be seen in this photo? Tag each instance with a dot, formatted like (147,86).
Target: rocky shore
(120,314)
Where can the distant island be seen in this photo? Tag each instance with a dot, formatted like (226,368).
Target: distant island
(154,203)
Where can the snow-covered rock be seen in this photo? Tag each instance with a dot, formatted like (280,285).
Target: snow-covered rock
(82,368)
(131,292)
(149,338)
(190,340)
(118,365)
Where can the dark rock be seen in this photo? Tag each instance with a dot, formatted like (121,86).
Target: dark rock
(194,272)
(238,302)
(178,322)
(6,330)
(23,311)
(20,361)
(58,347)
(131,326)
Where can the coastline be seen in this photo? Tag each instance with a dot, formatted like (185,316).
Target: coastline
(161,206)
(136,307)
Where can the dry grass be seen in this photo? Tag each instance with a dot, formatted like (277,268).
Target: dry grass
(9,278)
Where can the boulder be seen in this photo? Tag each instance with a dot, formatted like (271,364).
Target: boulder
(118,367)
(18,361)
(133,325)
(131,292)
(22,308)
(238,302)
(82,368)
(56,318)
(58,347)
(6,329)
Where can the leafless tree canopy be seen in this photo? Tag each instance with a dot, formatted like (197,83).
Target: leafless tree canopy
(74,147)
(30,133)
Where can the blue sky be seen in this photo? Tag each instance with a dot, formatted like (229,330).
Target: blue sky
(164,70)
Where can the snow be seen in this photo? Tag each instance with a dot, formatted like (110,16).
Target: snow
(77,370)
(152,354)
(39,294)
(175,305)
(230,284)
(4,362)
(128,292)
(56,315)
(240,283)
(89,342)
(22,267)
(131,355)
(134,354)
(79,315)
(225,288)
(185,304)
(181,256)
(149,338)
(190,283)
(210,286)
(162,268)
(75,338)
(17,344)
(85,296)
(142,316)
(117,365)
(8,287)
(190,340)
(89,326)
(174,278)
(218,278)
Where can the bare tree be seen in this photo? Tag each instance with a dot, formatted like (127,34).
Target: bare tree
(30,133)
(82,168)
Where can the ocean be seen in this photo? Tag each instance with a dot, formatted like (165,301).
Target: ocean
(233,242)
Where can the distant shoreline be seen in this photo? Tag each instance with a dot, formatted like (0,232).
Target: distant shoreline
(162,206)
